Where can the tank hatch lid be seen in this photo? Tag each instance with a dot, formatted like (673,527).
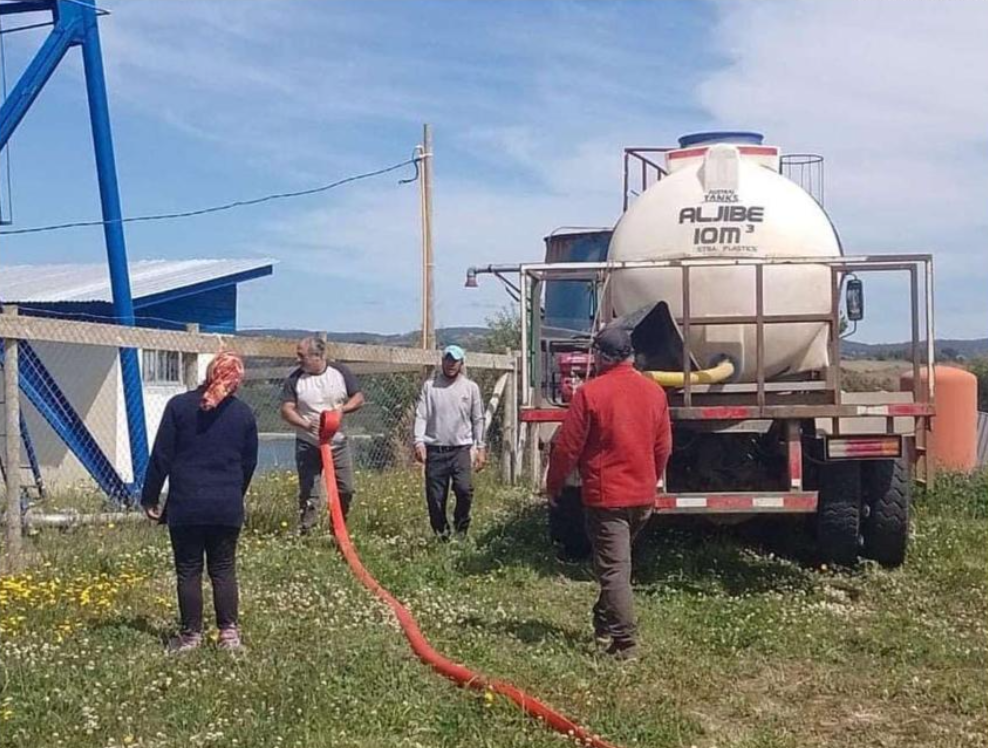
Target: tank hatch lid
(744,137)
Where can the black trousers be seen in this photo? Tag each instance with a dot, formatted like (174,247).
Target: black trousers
(190,543)
(443,466)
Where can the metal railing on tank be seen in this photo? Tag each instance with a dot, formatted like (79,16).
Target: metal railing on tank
(806,170)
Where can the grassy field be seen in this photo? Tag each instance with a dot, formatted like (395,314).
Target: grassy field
(743,644)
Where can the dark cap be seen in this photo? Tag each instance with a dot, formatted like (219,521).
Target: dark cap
(614,342)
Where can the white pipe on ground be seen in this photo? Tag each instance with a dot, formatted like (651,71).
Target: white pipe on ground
(68,519)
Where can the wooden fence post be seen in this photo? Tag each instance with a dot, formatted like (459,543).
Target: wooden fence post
(13,446)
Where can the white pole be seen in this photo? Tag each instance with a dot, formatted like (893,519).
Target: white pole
(425,194)
(12,447)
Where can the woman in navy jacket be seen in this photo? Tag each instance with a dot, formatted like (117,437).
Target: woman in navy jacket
(206,447)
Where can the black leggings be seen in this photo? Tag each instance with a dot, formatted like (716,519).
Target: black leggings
(219,545)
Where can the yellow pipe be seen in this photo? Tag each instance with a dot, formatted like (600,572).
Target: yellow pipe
(719,373)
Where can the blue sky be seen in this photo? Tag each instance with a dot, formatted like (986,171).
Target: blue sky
(531,104)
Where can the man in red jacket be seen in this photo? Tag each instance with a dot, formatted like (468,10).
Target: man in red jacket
(617,431)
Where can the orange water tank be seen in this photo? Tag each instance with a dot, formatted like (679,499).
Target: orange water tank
(952,439)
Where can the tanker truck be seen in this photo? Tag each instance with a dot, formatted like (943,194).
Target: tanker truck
(738,293)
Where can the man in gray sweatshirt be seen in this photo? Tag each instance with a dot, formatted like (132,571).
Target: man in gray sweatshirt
(449,440)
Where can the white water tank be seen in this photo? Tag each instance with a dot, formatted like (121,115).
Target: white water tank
(724,198)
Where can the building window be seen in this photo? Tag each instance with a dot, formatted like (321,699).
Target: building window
(161,367)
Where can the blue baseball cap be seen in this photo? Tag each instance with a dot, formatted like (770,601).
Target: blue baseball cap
(454,352)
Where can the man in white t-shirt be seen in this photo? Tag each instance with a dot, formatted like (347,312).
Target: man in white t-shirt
(318,385)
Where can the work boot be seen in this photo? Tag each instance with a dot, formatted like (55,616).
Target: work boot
(566,556)
(308,519)
(230,639)
(623,651)
(184,642)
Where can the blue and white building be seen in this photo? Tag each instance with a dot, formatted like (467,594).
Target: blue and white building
(168,294)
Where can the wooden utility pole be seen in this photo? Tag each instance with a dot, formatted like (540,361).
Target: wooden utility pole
(12,402)
(425,194)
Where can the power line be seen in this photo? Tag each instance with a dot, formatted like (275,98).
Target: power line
(216,208)
(15,29)
(99,12)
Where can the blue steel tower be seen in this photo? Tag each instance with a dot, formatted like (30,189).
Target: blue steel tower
(75,24)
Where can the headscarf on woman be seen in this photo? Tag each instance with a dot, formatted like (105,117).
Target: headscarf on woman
(223,376)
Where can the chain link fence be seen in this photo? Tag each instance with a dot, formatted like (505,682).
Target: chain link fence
(76,438)
(379,433)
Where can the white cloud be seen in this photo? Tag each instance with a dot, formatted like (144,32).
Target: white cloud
(532,104)
(373,235)
(272,83)
(892,94)
(531,113)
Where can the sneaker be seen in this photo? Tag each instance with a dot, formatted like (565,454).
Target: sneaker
(184,642)
(623,651)
(230,638)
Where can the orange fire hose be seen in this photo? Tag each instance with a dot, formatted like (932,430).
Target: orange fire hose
(329,424)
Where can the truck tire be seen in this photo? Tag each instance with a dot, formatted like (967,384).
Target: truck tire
(887,491)
(838,518)
(566,526)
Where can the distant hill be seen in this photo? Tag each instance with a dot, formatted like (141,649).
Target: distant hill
(471,338)
(946,349)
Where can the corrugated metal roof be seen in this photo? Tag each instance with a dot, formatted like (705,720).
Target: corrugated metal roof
(59,283)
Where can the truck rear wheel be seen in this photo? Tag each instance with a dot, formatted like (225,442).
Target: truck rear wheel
(838,518)
(887,489)
(566,525)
